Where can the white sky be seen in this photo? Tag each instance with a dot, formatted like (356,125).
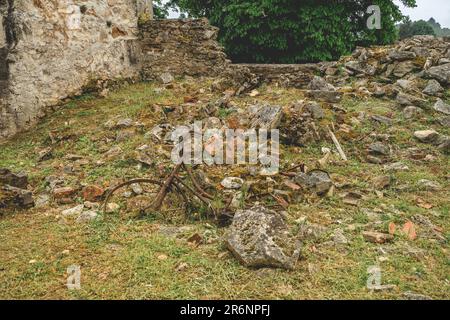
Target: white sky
(438,9)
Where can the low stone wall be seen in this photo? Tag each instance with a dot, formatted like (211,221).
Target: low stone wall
(295,75)
(181,47)
(51,49)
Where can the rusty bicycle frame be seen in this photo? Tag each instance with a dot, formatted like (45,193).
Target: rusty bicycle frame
(173,180)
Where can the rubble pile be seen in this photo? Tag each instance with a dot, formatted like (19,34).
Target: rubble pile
(409,83)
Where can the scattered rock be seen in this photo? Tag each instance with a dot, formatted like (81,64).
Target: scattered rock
(87,216)
(376,237)
(137,189)
(15,198)
(444,121)
(403,68)
(166,78)
(426,136)
(352,198)
(401,55)
(318,83)
(266,117)
(315,110)
(339,238)
(45,154)
(113,152)
(442,107)
(317,181)
(415,296)
(232,183)
(361,68)
(379,149)
(258,238)
(64,195)
(42,200)
(381,182)
(396,166)
(433,88)
(112,207)
(411,112)
(428,185)
(444,145)
(93,193)
(325,96)
(405,99)
(124,123)
(385,287)
(73,211)
(404,84)
(440,73)
(382,119)
(19,180)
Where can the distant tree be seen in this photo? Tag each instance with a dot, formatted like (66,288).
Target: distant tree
(438,30)
(409,29)
(405,29)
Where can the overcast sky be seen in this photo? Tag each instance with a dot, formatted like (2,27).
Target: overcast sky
(438,9)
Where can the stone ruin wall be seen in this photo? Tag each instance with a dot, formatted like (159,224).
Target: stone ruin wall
(181,47)
(54,49)
(51,49)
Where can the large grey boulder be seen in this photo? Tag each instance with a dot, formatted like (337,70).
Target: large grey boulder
(440,73)
(259,238)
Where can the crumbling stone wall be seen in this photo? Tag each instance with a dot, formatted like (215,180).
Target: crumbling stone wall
(51,49)
(291,75)
(181,47)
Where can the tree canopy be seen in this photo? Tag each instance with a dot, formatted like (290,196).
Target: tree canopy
(409,29)
(294,31)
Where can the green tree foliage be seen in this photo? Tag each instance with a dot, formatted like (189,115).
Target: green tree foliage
(294,31)
(409,29)
(160,9)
